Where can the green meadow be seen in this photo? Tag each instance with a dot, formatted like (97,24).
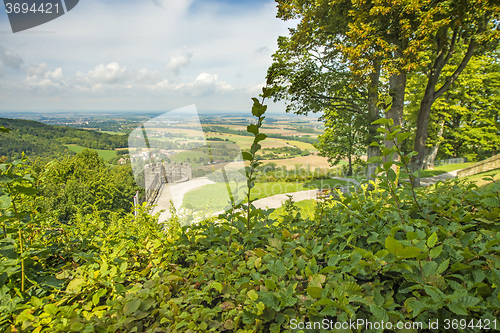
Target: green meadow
(105,154)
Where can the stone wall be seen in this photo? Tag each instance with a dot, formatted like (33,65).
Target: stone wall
(158,174)
(175,172)
(483,166)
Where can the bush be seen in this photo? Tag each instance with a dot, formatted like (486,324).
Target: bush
(360,257)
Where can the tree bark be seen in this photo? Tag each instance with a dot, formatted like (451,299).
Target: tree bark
(431,154)
(373,113)
(349,171)
(397,86)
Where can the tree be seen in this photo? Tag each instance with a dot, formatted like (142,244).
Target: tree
(394,38)
(83,183)
(309,72)
(344,137)
(462,29)
(465,122)
(472,127)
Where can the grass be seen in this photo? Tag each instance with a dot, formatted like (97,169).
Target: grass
(305,207)
(478,179)
(453,167)
(215,196)
(440,169)
(105,154)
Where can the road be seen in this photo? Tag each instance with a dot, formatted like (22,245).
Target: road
(175,192)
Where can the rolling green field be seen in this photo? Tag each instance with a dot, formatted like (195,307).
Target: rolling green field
(105,154)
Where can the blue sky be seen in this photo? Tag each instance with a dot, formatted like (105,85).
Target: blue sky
(141,55)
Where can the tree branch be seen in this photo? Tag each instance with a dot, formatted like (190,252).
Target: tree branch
(349,105)
(468,55)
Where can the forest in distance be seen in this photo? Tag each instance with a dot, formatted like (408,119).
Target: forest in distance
(372,229)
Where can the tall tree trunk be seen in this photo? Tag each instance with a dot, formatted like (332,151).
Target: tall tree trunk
(397,86)
(373,114)
(432,152)
(349,171)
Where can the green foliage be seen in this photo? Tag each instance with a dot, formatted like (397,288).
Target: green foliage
(83,183)
(354,260)
(258,111)
(344,137)
(469,111)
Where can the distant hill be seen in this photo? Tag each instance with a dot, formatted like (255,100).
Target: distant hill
(38,139)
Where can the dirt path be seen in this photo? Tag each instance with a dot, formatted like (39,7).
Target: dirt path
(439,178)
(175,193)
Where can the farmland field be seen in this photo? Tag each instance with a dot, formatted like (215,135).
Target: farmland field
(105,154)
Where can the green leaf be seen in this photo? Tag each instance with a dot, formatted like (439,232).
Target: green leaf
(28,190)
(392,245)
(408,252)
(458,309)
(379,313)
(266,92)
(429,268)
(217,286)
(277,268)
(391,175)
(36,301)
(131,306)
(75,285)
(432,240)
(435,252)
(443,266)
(314,292)
(478,275)
(270,284)
(411,235)
(324,301)
(252,128)
(258,109)
(387,165)
(252,295)
(402,136)
(246,156)
(374,159)
(380,121)
(467,301)
(260,137)
(4,130)
(5,201)
(51,309)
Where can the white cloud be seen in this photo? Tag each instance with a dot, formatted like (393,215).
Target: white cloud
(42,78)
(10,59)
(177,62)
(110,73)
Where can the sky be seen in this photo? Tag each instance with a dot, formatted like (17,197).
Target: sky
(141,55)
